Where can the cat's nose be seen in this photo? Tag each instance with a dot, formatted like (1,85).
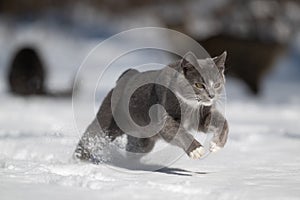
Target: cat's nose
(211,95)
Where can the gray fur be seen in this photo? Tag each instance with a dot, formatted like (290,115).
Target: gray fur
(198,103)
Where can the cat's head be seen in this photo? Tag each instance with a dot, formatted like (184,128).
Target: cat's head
(206,76)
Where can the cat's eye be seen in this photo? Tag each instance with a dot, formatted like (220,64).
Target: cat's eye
(217,85)
(199,85)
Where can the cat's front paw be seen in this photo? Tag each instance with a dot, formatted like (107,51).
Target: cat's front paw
(197,153)
(214,147)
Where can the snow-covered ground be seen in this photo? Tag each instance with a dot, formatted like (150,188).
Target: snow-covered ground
(38,136)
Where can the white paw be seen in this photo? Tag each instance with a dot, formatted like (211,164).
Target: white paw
(197,153)
(213,147)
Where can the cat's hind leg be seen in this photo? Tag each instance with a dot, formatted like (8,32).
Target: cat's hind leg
(140,145)
(105,119)
(92,139)
(102,130)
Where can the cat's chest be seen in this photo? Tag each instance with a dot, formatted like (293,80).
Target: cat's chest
(191,119)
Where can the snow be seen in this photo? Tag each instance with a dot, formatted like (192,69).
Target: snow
(38,136)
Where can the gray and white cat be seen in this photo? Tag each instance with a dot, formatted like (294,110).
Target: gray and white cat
(187,90)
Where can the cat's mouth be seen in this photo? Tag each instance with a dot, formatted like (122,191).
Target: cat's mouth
(205,102)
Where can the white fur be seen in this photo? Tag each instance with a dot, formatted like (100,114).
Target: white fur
(213,147)
(193,103)
(197,153)
(207,103)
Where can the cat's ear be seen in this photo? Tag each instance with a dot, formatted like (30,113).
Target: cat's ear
(188,61)
(220,61)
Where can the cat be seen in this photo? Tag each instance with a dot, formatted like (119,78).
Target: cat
(206,85)
(27,75)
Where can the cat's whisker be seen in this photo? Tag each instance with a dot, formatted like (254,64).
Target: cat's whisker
(222,98)
(220,103)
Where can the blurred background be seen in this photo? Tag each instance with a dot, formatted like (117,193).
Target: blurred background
(257,34)
(44,42)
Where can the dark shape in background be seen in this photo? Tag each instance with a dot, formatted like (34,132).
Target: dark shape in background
(27,75)
(248,59)
(255,33)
